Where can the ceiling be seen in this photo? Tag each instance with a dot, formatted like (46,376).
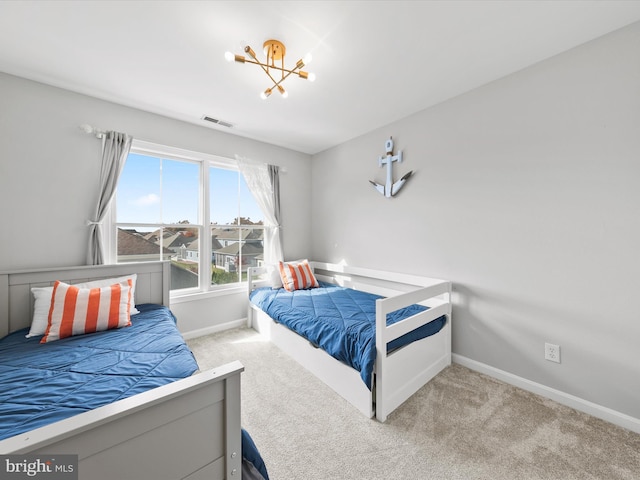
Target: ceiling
(375,61)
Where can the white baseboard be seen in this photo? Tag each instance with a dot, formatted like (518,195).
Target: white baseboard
(214,329)
(598,411)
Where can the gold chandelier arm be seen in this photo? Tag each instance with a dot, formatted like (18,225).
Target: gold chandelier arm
(284,77)
(285,71)
(275,50)
(265,68)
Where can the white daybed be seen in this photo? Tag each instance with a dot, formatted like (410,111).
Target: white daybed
(397,375)
(188,429)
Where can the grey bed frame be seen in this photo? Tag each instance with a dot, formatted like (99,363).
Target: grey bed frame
(188,429)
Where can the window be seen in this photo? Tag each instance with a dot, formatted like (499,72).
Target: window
(192,209)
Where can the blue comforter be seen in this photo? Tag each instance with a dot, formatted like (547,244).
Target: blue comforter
(341,321)
(44,383)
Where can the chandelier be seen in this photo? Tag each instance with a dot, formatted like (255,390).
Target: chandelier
(275,51)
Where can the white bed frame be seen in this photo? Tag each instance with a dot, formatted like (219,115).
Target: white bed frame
(398,375)
(188,429)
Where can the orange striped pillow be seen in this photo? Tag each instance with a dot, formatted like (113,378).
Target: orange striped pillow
(297,275)
(75,310)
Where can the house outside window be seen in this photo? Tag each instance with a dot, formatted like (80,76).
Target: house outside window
(194,210)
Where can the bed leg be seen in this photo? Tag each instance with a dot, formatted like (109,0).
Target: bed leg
(233,442)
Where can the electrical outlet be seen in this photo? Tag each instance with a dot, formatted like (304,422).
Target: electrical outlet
(552,352)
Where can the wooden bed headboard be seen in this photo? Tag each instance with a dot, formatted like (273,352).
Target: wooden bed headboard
(16,300)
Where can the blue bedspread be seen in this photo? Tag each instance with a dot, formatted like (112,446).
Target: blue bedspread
(44,383)
(253,467)
(341,321)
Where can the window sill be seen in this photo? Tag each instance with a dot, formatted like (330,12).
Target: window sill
(199,295)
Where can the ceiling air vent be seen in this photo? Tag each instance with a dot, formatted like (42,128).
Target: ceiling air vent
(217,121)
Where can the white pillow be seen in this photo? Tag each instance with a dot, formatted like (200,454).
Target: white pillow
(42,303)
(273,276)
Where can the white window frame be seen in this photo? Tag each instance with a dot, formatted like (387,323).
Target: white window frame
(206,161)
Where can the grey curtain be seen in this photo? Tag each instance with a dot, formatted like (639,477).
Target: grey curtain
(274,177)
(115,148)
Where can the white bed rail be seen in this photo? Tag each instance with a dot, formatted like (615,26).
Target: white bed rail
(388,305)
(399,374)
(393,383)
(256,279)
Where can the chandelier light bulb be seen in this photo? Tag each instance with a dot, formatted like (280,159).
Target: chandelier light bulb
(229,57)
(311,77)
(283,92)
(265,94)
(307,59)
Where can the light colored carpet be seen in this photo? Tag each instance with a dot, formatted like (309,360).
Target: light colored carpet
(462,425)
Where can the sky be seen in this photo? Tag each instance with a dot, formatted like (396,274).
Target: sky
(154,190)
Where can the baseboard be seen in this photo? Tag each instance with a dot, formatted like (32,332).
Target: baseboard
(598,411)
(214,329)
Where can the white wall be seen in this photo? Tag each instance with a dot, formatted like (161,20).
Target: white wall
(49,172)
(526,195)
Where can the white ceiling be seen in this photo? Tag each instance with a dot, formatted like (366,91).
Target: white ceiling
(375,61)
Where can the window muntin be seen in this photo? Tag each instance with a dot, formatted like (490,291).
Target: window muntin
(158,190)
(163,203)
(236,230)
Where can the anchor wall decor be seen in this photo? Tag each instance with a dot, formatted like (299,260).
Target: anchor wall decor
(390,188)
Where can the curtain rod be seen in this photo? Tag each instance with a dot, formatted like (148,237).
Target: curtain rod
(92,130)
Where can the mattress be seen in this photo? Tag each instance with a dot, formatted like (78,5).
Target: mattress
(340,320)
(44,383)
